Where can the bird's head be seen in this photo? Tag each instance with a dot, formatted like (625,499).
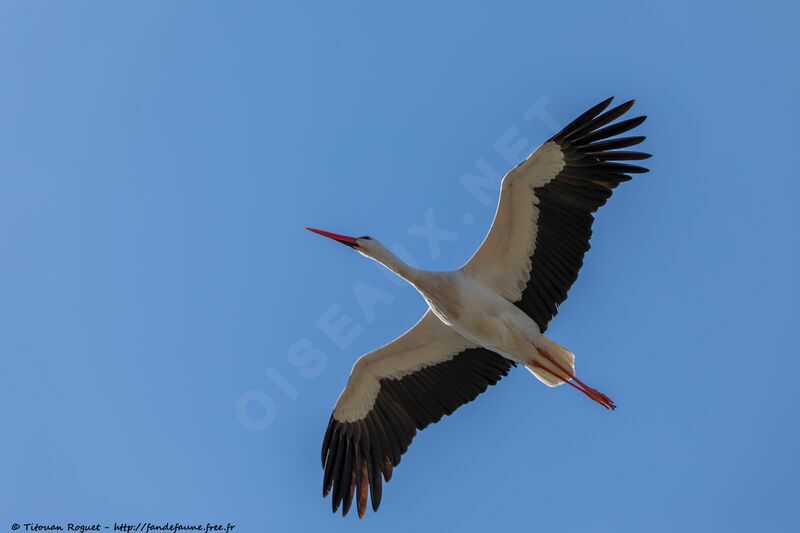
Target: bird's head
(365,245)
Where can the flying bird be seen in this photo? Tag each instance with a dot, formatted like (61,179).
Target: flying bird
(486,317)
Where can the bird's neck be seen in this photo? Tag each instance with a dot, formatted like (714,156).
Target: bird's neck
(402,269)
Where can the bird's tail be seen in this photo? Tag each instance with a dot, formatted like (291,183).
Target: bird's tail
(550,375)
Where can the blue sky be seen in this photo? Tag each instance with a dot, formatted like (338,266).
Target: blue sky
(165,353)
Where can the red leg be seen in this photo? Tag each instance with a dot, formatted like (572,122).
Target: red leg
(593,394)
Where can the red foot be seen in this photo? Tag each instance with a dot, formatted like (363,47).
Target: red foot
(568,378)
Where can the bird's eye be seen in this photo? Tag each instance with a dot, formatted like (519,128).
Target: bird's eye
(365,238)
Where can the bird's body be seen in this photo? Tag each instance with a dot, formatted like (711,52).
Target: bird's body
(480,314)
(485,317)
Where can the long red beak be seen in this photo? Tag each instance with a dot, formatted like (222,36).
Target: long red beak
(349,241)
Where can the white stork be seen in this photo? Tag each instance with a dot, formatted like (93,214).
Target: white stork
(485,317)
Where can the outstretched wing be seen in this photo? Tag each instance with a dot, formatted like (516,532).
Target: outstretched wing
(428,372)
(543,224)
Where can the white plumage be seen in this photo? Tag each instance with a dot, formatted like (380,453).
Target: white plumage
(485,317)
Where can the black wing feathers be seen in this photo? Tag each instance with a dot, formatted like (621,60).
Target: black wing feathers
(567,202)
(356,454)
